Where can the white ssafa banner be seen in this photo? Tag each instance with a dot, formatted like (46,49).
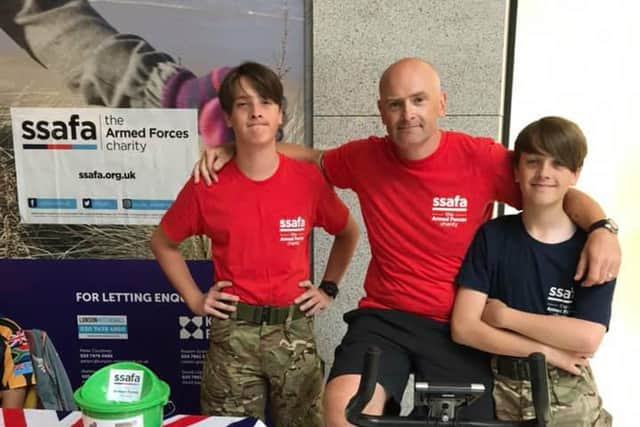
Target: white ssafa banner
(101,165)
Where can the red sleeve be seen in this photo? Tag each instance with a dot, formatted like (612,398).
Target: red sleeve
(183,219)
(339,166)
(331,212)
(505,188)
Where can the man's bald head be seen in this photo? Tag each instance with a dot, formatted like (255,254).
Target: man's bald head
(408,65)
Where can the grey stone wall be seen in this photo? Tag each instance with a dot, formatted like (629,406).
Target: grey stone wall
(354,41)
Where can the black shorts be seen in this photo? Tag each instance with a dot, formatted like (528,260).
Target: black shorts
(411,343)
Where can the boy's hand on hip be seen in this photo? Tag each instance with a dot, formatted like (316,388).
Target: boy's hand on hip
(313,300)
(217,303)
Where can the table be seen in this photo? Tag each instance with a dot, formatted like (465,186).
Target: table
(48,418)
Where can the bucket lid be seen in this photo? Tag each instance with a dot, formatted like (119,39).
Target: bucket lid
(94,394)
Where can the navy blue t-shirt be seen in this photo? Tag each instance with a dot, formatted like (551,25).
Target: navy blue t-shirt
(506,263)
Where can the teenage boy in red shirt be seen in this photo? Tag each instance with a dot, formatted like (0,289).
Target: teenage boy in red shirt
(259,220)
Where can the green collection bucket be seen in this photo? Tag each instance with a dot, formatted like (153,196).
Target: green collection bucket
(122,394)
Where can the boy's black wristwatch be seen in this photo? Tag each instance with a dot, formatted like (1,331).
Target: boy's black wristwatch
(607,223)
(329,288)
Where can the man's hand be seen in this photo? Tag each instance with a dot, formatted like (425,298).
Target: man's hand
(216,303)
(599,259)
(494,313)
(211,161)
(313,300)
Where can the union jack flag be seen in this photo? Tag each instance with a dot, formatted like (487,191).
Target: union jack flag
(36,417)
(47,418)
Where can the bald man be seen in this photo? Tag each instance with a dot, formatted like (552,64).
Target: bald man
(423,193)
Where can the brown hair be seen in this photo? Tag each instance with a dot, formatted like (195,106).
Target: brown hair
(262,79)
(557,137)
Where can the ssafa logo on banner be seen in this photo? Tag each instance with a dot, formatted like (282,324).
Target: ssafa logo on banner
(193,327)
(102,327)
(101,165)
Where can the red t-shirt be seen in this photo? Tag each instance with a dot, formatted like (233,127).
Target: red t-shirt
(421,215)
(259,231)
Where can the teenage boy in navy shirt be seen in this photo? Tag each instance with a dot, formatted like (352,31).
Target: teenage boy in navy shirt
(517,290)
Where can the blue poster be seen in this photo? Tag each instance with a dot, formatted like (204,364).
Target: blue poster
(98,312)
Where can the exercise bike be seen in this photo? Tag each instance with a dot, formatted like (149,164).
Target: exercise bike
(442,401)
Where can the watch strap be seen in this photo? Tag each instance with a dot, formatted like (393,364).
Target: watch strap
(330,288)
(607,223)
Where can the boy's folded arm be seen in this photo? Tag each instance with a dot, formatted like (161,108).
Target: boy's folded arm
(578,335)
(469,328)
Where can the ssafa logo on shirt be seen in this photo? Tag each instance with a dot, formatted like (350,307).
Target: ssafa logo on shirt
(560,301)
(449,211)
(292,230)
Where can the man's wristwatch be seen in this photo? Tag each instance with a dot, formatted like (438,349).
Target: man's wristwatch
(607,223)
(329,288)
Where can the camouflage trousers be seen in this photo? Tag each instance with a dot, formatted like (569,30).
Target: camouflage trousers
(249,365)
(574,399)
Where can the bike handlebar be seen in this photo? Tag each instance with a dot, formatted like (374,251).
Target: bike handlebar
(539,389)
(366,387)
